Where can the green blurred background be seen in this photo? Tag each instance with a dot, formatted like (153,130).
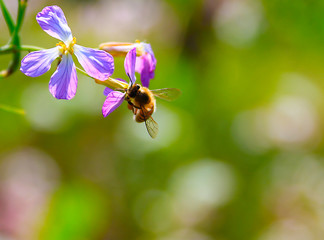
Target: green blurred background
(239,156)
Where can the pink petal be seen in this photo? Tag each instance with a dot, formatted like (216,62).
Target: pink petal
(107,91)
(97,63)
(113,101)
(129,65)
(64,81)
(37,63)
(145,65)
(52,21)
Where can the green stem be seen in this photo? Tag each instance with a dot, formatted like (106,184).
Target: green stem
(81,71)
(7,16)
(30,48)
(113,84)
(10,48)
(21,14)
(110,82)
(5,49)
(15,40)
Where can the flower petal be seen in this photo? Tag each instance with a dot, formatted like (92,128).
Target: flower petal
(64,81)
(37,63)
(129,65)
(148,49)
(52,21)
(113,101)
(97,63)
(107,91)
(145,65)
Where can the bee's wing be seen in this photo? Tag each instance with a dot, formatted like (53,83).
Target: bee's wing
(168,94)
(152,127)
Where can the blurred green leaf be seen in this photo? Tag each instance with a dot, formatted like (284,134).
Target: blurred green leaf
(12,109)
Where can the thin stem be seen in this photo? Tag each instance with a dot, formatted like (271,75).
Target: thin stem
(10,48)
(113,83)
(21,14)
(15,40)
(6,49)
(110,82)
(81,71)
(30,48)
(7,17)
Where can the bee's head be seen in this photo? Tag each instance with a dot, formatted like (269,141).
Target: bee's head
(132,91)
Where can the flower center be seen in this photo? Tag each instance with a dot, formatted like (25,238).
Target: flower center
(139,48)
(67,48)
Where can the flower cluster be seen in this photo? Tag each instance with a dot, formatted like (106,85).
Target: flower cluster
(63,84)
(99,65)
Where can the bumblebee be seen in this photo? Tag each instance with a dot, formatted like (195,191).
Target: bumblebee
(141,101)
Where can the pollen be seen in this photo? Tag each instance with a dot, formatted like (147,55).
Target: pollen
(139,49)
(72,43)
(67,48)
(62,47)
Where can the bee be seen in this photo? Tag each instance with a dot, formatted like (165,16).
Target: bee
(141,101)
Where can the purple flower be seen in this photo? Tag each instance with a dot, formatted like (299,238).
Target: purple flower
(145,64)
(115,98)
(63,84)
(145,60)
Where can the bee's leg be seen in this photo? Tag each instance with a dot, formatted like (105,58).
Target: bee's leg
(130,103)
(130,107)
